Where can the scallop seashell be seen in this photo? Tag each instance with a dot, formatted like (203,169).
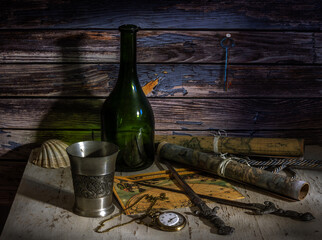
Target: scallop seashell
(52,154)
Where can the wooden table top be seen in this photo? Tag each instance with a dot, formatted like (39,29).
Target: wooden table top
(43,203)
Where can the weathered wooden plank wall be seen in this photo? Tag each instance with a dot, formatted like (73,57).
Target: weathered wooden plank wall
(58,60)
(271,14)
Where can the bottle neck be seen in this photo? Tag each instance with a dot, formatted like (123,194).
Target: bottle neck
(128,54)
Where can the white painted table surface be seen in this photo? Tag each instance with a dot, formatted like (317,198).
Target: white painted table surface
(43,203)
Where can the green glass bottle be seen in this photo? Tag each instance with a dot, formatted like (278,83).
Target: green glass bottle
(126,116)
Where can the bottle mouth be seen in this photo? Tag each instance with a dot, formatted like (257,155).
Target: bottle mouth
(129,28)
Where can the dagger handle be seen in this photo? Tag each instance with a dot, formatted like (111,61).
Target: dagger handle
(211,215)
(205,211)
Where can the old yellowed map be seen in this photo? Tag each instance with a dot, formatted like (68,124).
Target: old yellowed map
(131,188)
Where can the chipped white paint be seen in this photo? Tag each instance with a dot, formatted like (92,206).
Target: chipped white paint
(42,210)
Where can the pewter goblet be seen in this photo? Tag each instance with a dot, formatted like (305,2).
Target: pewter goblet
(93,166)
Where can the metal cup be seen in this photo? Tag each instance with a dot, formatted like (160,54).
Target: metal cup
(93,166)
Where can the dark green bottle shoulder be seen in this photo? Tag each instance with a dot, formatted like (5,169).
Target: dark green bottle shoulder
(126,101)
(130,95)
(138,108)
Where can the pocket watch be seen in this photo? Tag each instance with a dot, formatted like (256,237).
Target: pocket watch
(170,221)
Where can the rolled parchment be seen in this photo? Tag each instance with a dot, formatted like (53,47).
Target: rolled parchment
(228,168)
(251,146)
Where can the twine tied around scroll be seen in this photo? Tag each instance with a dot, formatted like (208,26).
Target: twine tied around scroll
(222,167)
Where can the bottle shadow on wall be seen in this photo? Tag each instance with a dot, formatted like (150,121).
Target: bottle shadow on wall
(71,111)
(75,113)
(71,115)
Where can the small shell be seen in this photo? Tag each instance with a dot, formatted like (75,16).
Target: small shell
(52,154)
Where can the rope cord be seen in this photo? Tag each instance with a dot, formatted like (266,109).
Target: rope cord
(291,162)
(275,165)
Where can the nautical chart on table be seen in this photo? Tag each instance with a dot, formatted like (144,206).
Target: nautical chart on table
(131,188)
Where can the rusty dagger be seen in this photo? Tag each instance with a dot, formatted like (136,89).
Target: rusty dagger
(204,210)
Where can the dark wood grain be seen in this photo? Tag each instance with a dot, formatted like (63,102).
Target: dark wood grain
(174,80)
(159,46)
(270,14)
(170,114)
(318,47)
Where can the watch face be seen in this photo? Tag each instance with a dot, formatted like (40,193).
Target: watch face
(171,221)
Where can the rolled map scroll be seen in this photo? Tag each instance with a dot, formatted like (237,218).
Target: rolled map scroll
(250,146)
(259,146)
(228,168)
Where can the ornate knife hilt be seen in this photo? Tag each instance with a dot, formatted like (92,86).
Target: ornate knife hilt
(270,208)
(205,211)
(211,215)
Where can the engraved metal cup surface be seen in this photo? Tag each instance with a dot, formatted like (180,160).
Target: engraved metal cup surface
(93,166)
